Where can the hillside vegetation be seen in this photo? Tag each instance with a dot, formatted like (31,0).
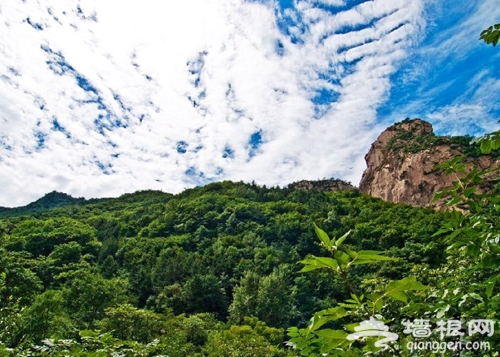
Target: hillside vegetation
(196,273)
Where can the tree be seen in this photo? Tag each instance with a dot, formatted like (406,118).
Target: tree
(241,341)
(11,333)
(46,317)
(87,294)
(40,237)
(20,284)
(126,322)
(204,293)
(491,35)
(268,298)
(66,253)
(245,297)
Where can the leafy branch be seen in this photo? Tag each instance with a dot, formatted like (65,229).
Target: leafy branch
(491,35)
(315,340)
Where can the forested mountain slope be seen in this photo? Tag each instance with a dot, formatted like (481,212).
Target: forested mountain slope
(226,249)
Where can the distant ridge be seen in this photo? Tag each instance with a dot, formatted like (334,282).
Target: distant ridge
(48,201)
(57,199)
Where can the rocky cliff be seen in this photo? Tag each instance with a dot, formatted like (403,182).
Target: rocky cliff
(322,185)
(401,162)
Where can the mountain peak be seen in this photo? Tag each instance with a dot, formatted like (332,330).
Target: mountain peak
(55,199)
(416,126)
(48,201)
(401,162)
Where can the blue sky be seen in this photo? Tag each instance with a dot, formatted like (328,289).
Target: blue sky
(451,79)
(102,98)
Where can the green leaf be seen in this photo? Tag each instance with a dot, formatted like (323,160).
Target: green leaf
(370,259)
(88,333)
(329,346)
(409,283)
(322,317)
(473,250)
(331,334)
(489,288)
(309,268)
(338,312)
(398,295)
(454,234)
(378,305)
(342,257)
(361,262)
(293,330)
(334,339)
(496,140)
(469,191)
(440,194)
(374,297)
(489,261)
(442,311)
(313,263)
(454,201)
(351,253)
(372,255)
(327,262)
(342,239)
(323,237)
(440,232)
(377,300)
(485,146)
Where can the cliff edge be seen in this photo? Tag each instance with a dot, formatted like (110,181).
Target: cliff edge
(401,163)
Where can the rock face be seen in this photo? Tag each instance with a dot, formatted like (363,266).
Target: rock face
(322,185)
(401,163)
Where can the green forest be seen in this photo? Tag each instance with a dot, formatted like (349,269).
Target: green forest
(212,267)
(237,269)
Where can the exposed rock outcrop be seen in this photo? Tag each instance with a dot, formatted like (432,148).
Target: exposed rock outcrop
(401,163)
(322,185)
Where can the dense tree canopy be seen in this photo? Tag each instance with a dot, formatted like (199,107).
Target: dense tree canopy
(131,267)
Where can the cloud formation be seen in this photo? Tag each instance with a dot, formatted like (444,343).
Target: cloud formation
(452,78)
(98,98)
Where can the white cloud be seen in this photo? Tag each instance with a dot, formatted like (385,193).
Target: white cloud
(451,77)
(458,119)
(332,2)
(453,43)
(140,94)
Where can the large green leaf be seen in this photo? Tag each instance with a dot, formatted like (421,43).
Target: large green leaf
(314,262)
(327,242)
(334,338)
(372,255)
(331,334)
(342,257)
(395,288)
(342,239)
(368,257)
(322,317)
